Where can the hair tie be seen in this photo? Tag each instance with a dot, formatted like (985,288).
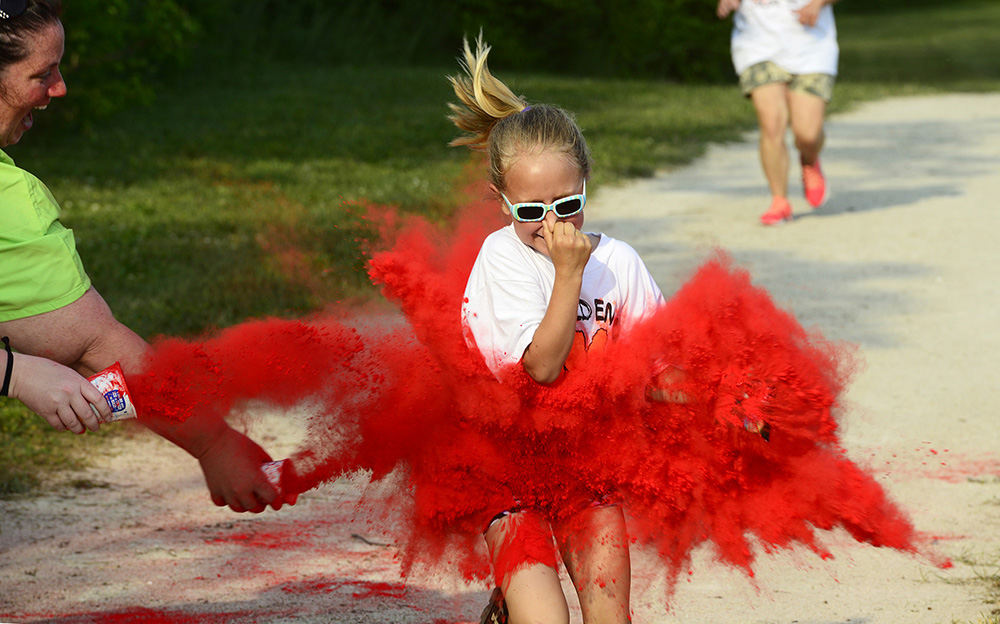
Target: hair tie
(526,108)
(9,9)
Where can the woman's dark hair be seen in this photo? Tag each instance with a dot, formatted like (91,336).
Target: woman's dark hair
(15,31)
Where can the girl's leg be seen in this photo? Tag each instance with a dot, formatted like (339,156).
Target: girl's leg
(524,561)
(594,546)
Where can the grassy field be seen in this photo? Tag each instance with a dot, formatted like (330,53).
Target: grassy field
(178,208)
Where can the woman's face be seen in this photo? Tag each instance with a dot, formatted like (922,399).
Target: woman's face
(543,176)
(30,83)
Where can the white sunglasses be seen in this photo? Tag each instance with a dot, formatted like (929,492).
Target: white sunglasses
(568,206)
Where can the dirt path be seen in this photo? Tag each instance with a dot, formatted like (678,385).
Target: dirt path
(902,261)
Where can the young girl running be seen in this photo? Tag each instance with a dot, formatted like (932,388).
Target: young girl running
(541,293)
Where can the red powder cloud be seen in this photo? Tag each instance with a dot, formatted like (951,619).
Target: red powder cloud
(415,402)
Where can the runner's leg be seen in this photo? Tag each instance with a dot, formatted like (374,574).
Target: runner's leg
(532,591)
(594,547)
(771,103)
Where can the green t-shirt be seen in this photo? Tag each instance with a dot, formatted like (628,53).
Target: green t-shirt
(40,269)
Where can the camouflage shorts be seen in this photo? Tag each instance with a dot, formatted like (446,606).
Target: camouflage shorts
(766,72)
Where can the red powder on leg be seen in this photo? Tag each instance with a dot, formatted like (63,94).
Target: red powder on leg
(523,538)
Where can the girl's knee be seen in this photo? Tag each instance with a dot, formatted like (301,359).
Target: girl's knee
(534,595)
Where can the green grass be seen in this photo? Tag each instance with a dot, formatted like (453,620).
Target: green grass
(986,576)
(30,450)
(188,212)
(952,46)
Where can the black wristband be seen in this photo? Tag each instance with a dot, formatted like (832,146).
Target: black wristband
(10,367)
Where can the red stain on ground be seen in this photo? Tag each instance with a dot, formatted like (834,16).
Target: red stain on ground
(943,465)
(141,615)
(279,541)
(359,588)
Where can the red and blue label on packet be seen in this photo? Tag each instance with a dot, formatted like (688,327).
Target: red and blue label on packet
(111,383)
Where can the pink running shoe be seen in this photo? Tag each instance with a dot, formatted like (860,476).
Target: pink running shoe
(779,211)
(814,184)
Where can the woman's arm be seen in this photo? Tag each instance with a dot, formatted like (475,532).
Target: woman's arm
(86,337)
(725,7)
(47,373)
(810,12)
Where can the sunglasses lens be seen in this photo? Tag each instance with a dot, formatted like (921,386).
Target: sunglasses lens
(568,208)
(529,213)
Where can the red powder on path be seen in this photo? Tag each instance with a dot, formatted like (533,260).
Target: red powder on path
(142,615)
(418,403)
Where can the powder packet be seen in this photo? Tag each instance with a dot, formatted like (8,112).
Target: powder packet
(272,470)
(111,383)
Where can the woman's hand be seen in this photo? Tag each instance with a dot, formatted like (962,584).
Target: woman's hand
(726,7)
(57,393)
(232,467)
(810,12)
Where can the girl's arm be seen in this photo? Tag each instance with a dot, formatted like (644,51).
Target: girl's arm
(569,250)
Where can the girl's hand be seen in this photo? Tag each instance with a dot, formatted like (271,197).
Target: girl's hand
(569,248)
(663,388)
(726,7)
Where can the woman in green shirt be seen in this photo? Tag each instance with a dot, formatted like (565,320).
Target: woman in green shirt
(59,326)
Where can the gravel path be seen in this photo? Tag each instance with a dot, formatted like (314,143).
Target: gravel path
(902,261)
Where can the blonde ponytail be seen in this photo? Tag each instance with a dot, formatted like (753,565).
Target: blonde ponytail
(495,119)
(486,100)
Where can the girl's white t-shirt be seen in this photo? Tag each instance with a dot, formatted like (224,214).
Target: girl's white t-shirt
(510,285)
(769,30)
